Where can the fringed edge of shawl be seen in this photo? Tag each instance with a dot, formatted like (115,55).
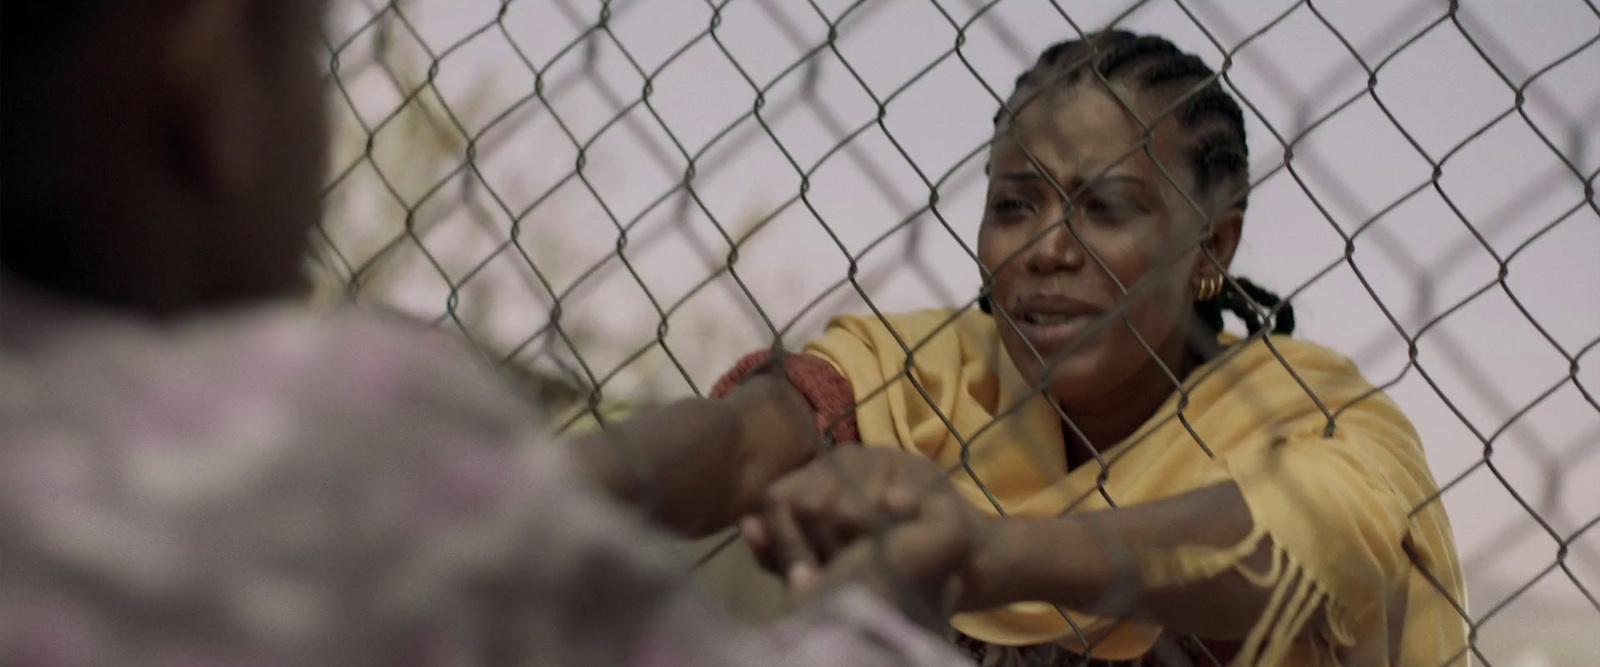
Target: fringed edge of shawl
(1296,595)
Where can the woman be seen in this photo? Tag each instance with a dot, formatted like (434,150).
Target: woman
(1272,502)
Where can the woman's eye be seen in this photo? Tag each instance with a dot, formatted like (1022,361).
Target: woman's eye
(1108,210)
(1011,205)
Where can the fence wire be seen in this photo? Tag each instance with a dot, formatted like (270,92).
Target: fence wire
(612,200)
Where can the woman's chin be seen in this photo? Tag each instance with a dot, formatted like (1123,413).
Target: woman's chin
(1071,376)
(1071,381)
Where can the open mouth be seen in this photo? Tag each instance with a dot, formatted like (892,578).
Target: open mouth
(1047,319)
(1051,322)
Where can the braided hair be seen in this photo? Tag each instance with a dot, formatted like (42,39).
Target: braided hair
(1216,149)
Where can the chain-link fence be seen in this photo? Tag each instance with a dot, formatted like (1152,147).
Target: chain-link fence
(613,200)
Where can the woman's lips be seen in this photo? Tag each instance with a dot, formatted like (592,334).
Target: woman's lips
(1052,323)
(1053,335)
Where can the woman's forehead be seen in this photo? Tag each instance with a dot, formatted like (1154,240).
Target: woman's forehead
(1082,132)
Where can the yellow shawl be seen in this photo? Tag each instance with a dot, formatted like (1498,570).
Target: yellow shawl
(1338,508)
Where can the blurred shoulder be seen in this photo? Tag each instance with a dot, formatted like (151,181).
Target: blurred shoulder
(311,372)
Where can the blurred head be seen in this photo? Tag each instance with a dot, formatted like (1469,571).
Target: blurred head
(161,155)
(1096,231)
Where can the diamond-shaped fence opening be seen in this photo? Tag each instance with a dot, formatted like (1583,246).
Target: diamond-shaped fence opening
(613,199)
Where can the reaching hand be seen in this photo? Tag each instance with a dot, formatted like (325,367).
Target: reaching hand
(881,518)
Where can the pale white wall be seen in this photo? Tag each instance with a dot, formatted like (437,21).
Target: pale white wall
(1421,257)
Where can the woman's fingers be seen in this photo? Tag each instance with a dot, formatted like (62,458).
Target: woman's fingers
(816,504)
(753,529)
(790,545)
(828,519)
(755,534)
(915,565)
(837,502)
(802,531)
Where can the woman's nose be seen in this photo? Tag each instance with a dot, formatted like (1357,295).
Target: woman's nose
(1056,249)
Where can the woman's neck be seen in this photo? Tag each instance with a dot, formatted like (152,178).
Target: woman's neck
(1132,404)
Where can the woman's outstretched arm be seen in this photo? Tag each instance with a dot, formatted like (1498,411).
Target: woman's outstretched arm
(1087,562)
(1091,562)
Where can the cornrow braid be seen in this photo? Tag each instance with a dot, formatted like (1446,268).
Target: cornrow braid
(1237,300)
(1217,152)
(1214,125)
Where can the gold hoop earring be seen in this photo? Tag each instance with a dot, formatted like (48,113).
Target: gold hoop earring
(1208,288)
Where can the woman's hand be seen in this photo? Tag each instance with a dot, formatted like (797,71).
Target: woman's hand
(881,518)
(697,465)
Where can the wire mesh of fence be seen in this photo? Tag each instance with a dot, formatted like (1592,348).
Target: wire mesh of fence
(612,201)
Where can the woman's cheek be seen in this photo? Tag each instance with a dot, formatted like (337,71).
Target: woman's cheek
(999,250)
(1132,266)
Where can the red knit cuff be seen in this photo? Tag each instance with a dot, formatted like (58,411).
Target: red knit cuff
(832,399)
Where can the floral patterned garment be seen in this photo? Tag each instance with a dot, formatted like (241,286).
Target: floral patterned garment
(276,488)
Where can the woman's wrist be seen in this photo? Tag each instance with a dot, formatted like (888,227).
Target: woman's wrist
(774,436)
(1030,559)
(776,430)
(990,576)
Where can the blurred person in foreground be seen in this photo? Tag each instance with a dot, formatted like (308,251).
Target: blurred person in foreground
(196,471)
(1147,487)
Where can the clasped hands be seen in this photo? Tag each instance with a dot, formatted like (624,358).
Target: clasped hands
(882,518)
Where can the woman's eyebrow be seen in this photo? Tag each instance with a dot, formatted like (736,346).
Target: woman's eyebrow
(1106,179)
(1020,176)
(1119,179)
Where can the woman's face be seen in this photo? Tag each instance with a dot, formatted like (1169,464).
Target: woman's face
(1052,299)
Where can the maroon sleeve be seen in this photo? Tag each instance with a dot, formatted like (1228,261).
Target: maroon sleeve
(827,390)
